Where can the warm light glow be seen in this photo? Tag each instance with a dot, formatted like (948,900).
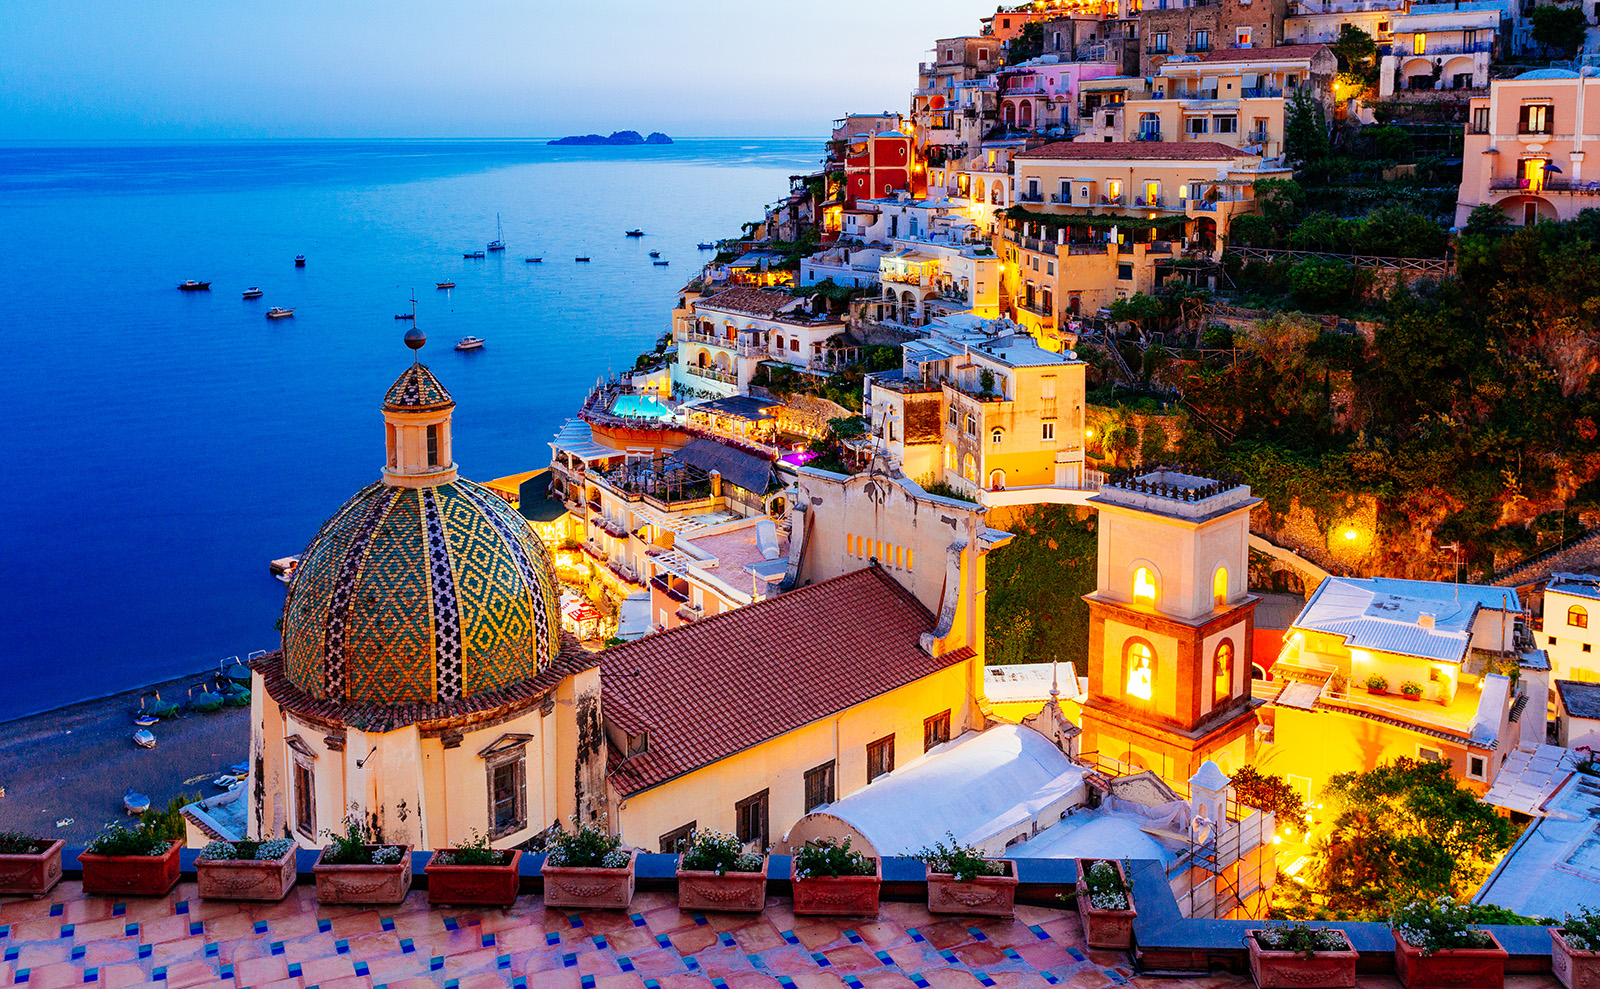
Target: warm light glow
(1144,586)
(1350,534)
(1276,840)
(1089,433)
(1139,671)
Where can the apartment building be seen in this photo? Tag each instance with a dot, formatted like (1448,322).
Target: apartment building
(1571,632)
(880,164)
(1235,97)
(1443,46)
(1525,147)
(1040,96)
(1321,22)
(1176,28)
(724,337)
(1107,32)
(1101,103)
(934,106)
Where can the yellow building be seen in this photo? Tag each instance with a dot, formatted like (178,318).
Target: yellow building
(1234,96)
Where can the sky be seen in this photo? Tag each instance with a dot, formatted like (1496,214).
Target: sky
(220,69)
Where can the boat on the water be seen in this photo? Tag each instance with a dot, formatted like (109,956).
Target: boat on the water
(193,286)
(283,568)
(299,260)
(473,254)
(655,254)
(660,264)
(252,293)
(533,260)
(279,313)
(499,242)
(405,315)
(470,343)
(444,284)
(581,260)
(634,233)
(706,247)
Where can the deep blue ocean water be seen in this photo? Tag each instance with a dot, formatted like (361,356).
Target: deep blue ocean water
(162,446)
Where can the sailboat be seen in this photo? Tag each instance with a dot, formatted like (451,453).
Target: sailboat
(499,242)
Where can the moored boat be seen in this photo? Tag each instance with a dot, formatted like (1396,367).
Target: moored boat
(660,264)
(193,286)
(278,313)
(405,315)
(634,233)
(283,568)
(499,242)
(655,254)
(444,284)
(299,260)
(473,254)
(533,260)
(706,247)
(581,260)
(470,343)
(252,293)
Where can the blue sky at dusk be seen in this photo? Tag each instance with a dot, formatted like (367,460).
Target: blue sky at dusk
(87,69)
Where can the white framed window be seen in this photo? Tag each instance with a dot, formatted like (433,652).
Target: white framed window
(1047,432)
(1477,768)
(1427,754)
(995,436)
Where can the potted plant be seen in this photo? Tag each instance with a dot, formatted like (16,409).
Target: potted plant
(716,873)
(1436,946)
(961,880)
(830,879)
(1575,949)
(470,873)
(1300,957)
(587,869)
(1411,690)
(29,866)
(246,870)
(137,861)
(1377,684)
(1105,904)
(355,867)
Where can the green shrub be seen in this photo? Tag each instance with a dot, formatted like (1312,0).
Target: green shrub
(17,843)
(120,840)
(1438,925)
(475,850)
(356,845)
(830,858)
(1108,890)
(1582,929)
(963,863)
(1377,682)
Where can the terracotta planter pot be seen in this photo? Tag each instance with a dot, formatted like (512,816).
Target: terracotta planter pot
(1410,697)
(841,896)
(589,889)
(1105,928)
(246,879)
(131,875)
(1456,968)
(985,896)
(1297,970)
(1576,968)
(31,875)
(473,885)
(733,892)
(363,883)
(1378,691)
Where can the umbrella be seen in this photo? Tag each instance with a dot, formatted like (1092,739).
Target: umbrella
(1551,166)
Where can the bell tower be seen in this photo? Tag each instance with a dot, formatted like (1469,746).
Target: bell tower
(1170,622)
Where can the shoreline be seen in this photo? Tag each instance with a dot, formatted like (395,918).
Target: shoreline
(171,684)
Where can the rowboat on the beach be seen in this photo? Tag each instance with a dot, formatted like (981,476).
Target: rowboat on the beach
(206,702)
(158,709)
(144,740)
(134,802)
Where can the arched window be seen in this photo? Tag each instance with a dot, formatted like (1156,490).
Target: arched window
(949,457)
(972,424)
(994,437)
(1222,674)
(970,468)
(1219,587)
(1140,661)
(1144,585)
(1577,617)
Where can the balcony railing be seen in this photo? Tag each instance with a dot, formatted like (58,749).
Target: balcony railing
(1259,92)
(1566,186)
(1464,49)
(1030,197)
(1256,137)
(1060,200)
(1149,135)
(1153,50)
(713,340)
(727,377)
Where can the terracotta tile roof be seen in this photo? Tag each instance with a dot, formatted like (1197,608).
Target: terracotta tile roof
(750,301)
(707,690)
(477,709)
(1282,53)
(1137,150)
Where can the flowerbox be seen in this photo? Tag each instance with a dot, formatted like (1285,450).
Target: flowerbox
(246,879)
(1453,968)
(733,892)
(839,896)
(31,875)
(473,885)
(589,888)
(1576,968)
(363,883)
(984,896)
(131,875)
(1105,928)
(1298,970)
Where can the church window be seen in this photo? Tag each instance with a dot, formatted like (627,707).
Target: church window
(1219,586)
(305,799)
(1144,585)
(935,730)
(908,560)
(1222,674)
(507,765)
(1141,669)
(673,841)
(949,456)
(819,786)
(880,757)
(951,415)
(1577,617)
(750,815)
(433,446)
(394,446)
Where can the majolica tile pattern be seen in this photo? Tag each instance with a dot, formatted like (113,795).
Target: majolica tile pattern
(417,389)
(418,595)
(180,941)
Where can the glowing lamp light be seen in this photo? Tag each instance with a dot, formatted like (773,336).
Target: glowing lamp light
(1089,433)
(1144,587)
(1139,683)
(1350,535)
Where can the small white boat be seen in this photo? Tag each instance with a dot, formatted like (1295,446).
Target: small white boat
(146,720)
(470,343)
(278,313)
(253,293)
(284,567)
(144,739)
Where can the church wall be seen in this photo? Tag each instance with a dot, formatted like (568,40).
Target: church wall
(1239,635)
(707,796)
(268,809)
(1183,558)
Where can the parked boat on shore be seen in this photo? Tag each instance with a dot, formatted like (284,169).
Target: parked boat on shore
(144,740)
(283,568)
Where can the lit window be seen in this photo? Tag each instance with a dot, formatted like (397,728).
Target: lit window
(1144,585)
(1222,674)
(1577,617)
(1219,586)
(1140,669)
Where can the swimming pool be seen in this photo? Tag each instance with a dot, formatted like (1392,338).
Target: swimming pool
(640,407)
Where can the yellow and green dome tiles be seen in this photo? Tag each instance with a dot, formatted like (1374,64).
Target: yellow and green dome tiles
(417,390)
(420,595)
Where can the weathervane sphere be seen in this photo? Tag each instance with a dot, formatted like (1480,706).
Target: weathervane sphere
(415,338)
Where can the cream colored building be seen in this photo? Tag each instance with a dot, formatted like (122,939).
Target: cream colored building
(1313,22)
(1443,46)
(1234,96)
(723,338)
(1526,146)
(1571,632)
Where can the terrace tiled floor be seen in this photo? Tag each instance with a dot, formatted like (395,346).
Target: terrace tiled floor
(182,942)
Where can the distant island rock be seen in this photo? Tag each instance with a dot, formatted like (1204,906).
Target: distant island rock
(621,137)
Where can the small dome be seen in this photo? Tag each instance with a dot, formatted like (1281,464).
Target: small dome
(417,390)
(418,595)
(1549,74)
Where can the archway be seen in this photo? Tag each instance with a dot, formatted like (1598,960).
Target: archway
(997,480)
(1527,210)
(1025,119)
(1008,115)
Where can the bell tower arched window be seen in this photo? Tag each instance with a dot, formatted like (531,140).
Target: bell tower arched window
(1140,661)
(1219,587)
(1144,585)
(1222,674)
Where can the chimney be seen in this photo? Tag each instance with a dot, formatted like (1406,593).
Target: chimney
(1425,620)
(716,492)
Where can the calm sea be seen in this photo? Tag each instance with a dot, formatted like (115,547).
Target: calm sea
(162,446)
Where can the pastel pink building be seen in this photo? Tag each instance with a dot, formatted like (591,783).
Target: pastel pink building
(1040,96)
(1526,146)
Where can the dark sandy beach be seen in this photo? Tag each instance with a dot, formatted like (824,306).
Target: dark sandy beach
(76,761)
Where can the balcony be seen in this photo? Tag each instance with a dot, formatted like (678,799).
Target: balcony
(711,373)
(1463,49)
(1561,186)
(713,340)
(1259,92)
(1153,50)
(690,613)
(1030,197)
(1060,200)
(1199,47)
(1149,135)
(1256,137)
(660,583)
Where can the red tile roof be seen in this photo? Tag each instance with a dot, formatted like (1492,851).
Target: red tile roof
(750,301)
(707,690)
(1282,53)
(1136,150)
